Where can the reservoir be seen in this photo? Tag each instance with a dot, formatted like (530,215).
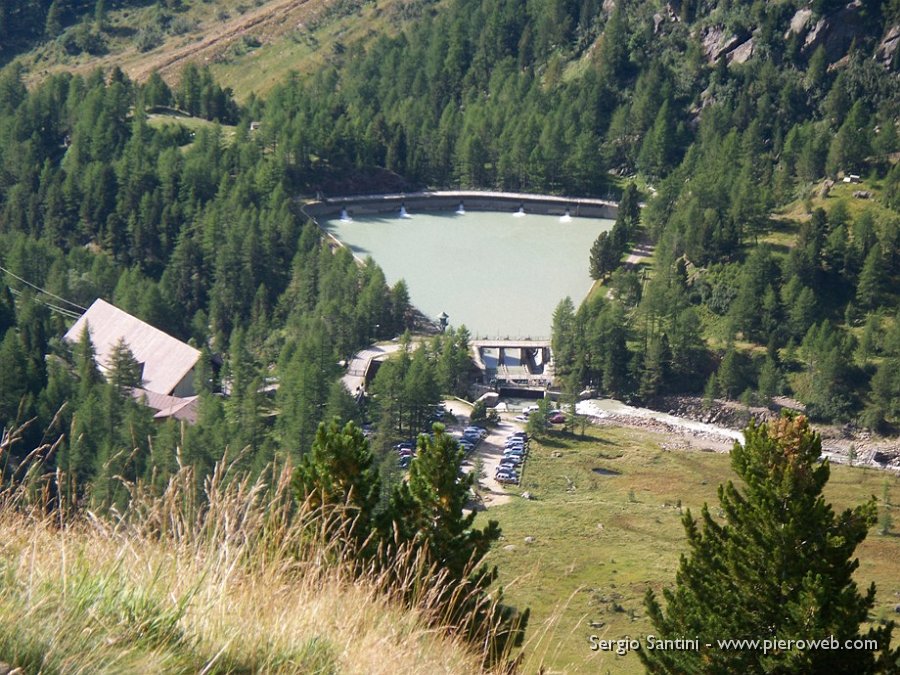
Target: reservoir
(499,273)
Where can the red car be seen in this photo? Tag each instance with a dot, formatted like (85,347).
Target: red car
(558,418)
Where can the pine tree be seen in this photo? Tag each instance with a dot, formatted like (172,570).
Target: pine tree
(12,378)
(729,375)
(779,565)
(427,513)
(340,472)
(563,341)
(53,23)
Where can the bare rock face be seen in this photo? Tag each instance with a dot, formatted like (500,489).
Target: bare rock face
(887,48)
(799,22)
(741,53)
(836,32)
(716,43)
(657,22)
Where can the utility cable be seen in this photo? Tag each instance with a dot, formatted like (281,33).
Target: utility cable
(52,295)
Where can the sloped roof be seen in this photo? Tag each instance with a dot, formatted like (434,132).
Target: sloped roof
(165,360)
(187,409)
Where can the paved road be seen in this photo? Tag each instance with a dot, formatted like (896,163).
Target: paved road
(354,378)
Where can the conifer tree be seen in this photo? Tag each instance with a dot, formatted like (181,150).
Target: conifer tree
(124,371)
(604,256)
(778,566)
(340,472)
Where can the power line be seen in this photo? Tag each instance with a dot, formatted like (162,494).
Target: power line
(59,310)
(52,295)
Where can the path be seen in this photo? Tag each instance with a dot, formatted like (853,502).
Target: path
(640,254)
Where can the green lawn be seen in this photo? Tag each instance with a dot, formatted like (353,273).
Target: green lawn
(192,124)
(601,540)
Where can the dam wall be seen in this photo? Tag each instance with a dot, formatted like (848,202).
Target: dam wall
(471,200)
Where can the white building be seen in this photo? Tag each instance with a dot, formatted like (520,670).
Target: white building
(168,364)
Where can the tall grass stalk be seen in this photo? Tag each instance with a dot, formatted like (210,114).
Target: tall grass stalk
(231,577)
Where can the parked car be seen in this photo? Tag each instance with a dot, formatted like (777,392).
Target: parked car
(521,418)
(558,418)
(466,445)
(506,477)
(513,458)
(405,462)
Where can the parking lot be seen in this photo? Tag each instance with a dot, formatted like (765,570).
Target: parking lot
(489,451)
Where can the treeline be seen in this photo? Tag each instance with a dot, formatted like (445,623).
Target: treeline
(473,95)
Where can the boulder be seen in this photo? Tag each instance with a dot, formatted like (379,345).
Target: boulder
(529,540)
(883,457)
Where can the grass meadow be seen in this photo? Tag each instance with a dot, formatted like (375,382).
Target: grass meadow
(601,539)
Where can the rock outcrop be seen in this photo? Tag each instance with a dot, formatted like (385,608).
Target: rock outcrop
(887,48)
(834,32)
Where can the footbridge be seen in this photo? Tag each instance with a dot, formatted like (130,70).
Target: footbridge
(514,364)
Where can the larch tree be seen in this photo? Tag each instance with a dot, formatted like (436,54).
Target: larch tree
(778,565)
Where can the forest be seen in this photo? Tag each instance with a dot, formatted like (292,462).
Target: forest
(196,231)
(716,125)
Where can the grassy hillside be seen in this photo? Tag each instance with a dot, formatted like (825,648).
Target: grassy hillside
(251,46)
(600,540)
(235,586)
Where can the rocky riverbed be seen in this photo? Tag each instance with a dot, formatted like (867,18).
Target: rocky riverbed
(690,422)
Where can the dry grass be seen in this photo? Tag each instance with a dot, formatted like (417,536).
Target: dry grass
(235,578)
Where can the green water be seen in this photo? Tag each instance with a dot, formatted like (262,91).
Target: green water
(498,274)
